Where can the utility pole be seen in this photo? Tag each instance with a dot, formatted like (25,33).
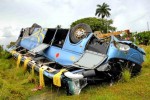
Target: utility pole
(148,26)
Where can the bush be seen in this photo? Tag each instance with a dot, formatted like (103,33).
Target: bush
(4,54)
(143,37)
(96,24)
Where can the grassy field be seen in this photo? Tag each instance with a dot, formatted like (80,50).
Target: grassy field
(17,85)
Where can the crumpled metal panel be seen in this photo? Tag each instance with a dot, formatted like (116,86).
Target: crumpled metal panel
(39,48)
(90,60)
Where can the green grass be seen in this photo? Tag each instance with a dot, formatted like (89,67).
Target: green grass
(126,75)
(17,85)
(14,83)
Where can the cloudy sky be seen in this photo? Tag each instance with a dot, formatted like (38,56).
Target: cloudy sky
(15,14)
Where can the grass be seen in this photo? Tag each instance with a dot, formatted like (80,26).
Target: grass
(14,83)
(17,85)
(126,75)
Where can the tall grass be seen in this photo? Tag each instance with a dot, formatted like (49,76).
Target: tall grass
(125,75)
(14,83)
(17,85)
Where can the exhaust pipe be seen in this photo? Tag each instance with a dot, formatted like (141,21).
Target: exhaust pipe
(73,76)
(87,73)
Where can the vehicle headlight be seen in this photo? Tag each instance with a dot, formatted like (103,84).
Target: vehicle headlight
(76,85)
(122,47)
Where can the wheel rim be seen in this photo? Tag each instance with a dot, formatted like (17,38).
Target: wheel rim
(79,33)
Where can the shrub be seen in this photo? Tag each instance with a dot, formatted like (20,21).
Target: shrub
(143,37)
(96,24)
(4,54)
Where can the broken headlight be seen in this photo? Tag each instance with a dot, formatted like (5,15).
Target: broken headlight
(122,47)
(76,85)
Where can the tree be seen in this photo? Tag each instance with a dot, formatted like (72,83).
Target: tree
(96,24)
(11,44)
(58,26)
(103,10)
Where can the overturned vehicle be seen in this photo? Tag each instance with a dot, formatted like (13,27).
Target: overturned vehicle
(74,57)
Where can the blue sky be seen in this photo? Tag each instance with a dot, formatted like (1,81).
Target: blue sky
(15,14)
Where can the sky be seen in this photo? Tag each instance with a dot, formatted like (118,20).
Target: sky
(17,14)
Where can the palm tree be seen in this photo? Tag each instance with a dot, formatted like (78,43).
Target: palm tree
(103,10)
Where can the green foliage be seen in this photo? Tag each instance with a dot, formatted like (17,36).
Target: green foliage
(143,37)
(5,64)
(14,84)
(125,75)
(1,83)
(11,44)
(96,24)
(4,54)
(1,48)
(103,10)
(146,63)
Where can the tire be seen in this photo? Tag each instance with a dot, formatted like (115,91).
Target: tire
(79,32)
(136,70)
(118,67)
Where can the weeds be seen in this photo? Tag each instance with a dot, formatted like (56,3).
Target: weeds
(17,85)
(4,54)
(14,83)
(125,75)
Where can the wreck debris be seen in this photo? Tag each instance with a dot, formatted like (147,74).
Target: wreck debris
(74,57)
